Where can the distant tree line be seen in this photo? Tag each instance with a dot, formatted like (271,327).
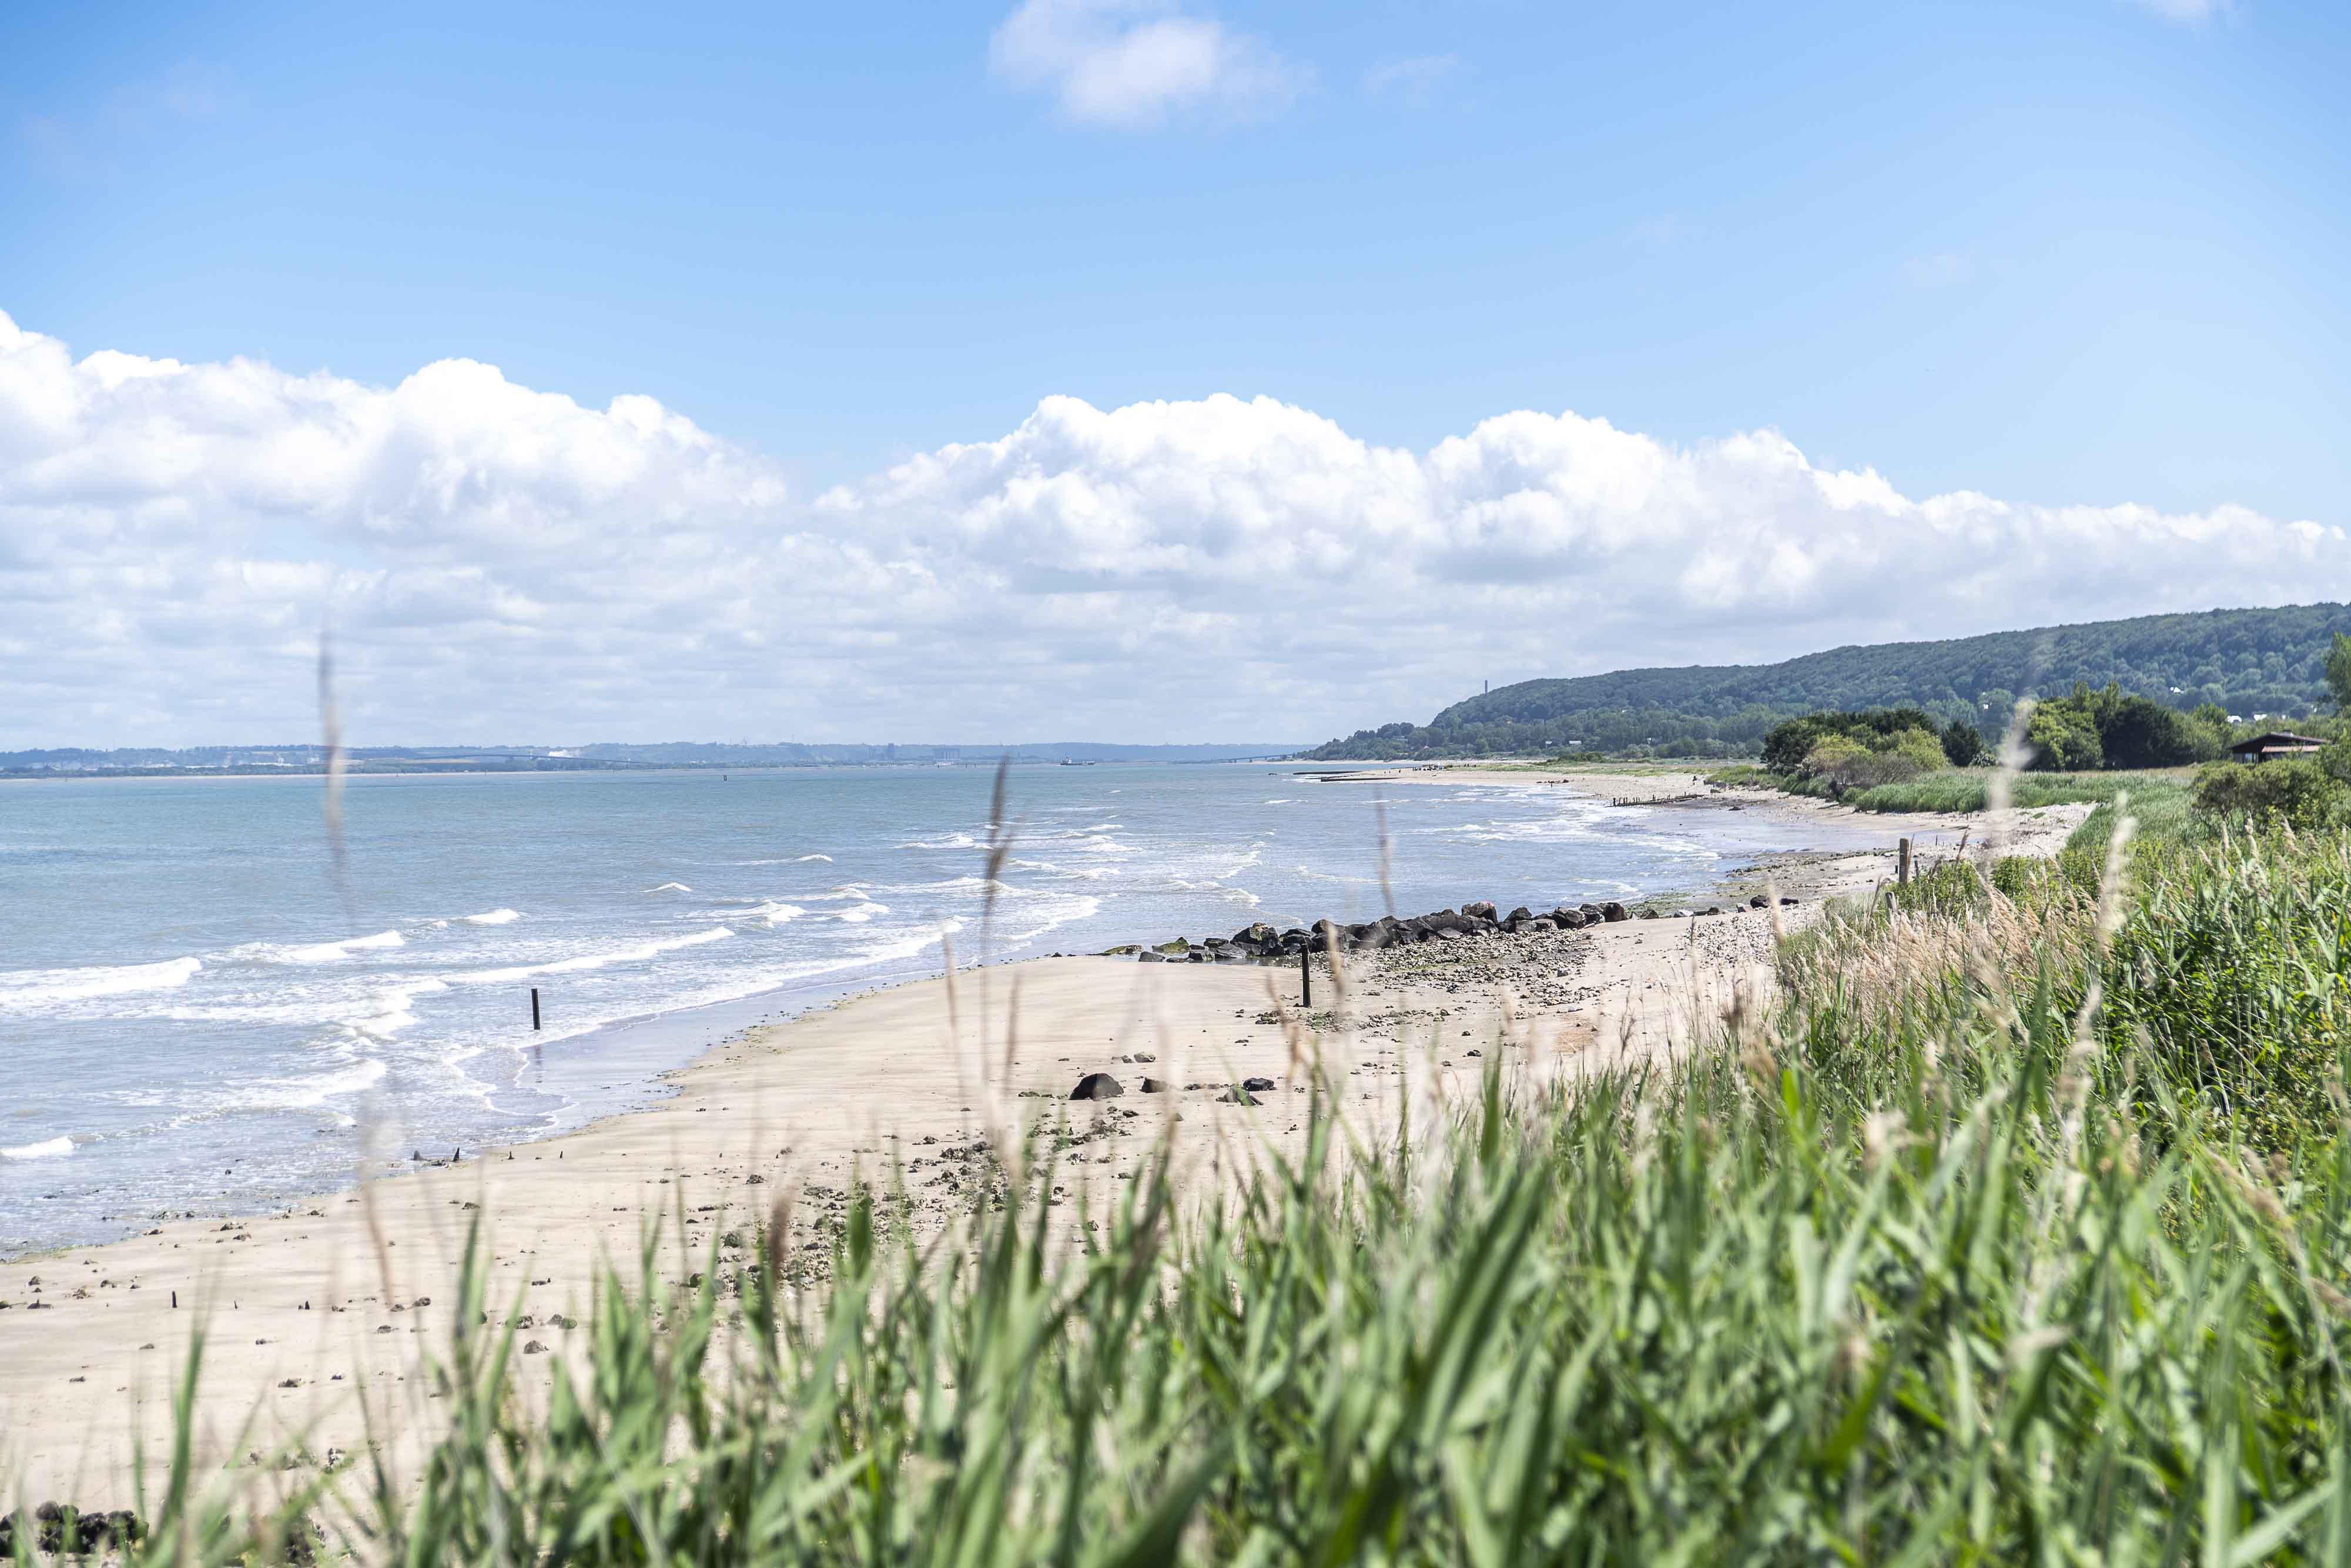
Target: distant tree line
(2236,662)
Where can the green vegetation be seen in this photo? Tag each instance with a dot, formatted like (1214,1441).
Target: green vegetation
(1893,760)
(2274,662)
(2298,791)
(2020,1232)
(1837,746)
(2109,728)
(1970,789)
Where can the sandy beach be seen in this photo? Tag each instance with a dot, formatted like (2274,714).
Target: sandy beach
(317,1316)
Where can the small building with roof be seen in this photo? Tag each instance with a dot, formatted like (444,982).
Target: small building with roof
(2277,742)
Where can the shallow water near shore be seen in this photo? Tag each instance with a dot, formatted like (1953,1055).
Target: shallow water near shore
(197,1013)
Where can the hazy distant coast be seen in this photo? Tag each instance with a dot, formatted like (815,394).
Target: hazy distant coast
(602,757)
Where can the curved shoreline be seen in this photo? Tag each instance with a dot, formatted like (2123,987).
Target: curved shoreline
(310,1304)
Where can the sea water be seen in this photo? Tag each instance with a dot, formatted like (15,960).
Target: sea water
(204,1008)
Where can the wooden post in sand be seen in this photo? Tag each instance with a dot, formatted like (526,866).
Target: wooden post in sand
(534,994)
(1306,976)
(1902,862)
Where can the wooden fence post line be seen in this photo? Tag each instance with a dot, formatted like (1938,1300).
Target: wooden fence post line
(534,998)
(1902,862)
(1306,976)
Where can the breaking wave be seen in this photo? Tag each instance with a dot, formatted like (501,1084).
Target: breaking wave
(29,988)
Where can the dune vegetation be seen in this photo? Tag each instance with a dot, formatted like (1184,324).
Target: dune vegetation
(2017,1228)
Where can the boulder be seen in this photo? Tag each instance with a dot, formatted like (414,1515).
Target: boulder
(1568,919)
(1175,949)
(1541,923)
(1151,956)
(1517,918)
(1787,902)
(1256,936)
(1758,902)
(1097,1086)
(1258,1085)
(1481,910)
(1237,1097)
(1154,1086)
(1614,912)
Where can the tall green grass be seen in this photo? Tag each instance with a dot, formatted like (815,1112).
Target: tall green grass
(1982,1246)
(1969,789)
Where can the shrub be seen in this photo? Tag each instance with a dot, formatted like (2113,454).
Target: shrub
(1922,747)
(2136,733)
(1845,763)
(2064,739)
(2296,792)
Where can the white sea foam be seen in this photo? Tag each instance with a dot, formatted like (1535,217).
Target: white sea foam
(495,917)
(826,858)
(636,954)
(953,842)
(775,913)
(670,887)
(390,1011)
(1061,914)
(50,1149)
(301,1093)
(26,989)
(858,914)
(316,952)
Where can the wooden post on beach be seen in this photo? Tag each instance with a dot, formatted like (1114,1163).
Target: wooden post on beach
(1306,976)
(1902,862)
(534,994)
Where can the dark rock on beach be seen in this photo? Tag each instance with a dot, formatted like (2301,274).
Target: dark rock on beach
(61,1527)
(1097,1086)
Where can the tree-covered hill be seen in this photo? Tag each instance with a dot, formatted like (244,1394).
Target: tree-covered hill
(2248,661)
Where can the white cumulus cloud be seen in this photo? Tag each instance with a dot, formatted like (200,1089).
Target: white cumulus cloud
(501,563)
(1137,63)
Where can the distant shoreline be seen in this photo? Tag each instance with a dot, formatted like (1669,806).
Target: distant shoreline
(49,775)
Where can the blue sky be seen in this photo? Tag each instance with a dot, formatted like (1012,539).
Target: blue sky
(2061,252)
(2082,253)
